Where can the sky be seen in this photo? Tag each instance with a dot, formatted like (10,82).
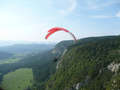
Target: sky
(29,20)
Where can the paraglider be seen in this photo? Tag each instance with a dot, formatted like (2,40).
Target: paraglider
(56,29)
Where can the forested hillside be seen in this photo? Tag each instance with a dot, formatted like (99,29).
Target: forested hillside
(90,64)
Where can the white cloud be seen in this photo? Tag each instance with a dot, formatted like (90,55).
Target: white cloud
(100,4)
(102,16)
(118,14)
(71,7)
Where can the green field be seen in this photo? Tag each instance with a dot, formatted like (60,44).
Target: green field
(14,59)
(10,60)
(18,80)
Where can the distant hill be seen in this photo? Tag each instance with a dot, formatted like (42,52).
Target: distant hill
(26,48)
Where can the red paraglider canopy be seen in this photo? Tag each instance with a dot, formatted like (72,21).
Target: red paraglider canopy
(55,29)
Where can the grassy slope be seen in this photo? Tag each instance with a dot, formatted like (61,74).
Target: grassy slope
(18,80)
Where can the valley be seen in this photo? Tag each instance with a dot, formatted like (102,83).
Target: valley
(16,67)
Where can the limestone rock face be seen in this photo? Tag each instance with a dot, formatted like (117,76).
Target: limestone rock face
(80,84)
(114,67)
(59,62)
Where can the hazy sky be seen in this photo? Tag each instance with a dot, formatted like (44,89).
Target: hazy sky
(29,20)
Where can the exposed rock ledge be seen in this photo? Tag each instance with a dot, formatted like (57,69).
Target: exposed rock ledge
(114,67)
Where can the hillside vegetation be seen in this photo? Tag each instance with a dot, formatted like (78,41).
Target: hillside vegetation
(90,64)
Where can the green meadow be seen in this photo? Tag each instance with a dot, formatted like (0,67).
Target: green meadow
(20,79)
(14,59)
(10,60)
